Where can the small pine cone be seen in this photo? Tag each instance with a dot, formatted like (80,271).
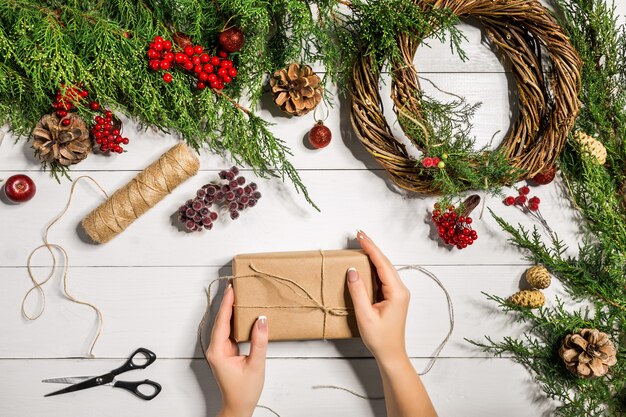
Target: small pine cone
(592,146)
(538,277)
(65,145)
(296,89)
(528,299)
(588,353)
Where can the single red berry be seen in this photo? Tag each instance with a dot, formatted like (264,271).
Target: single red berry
(201,85)
(533,207)
(95,106)
(212,78)
(468,220)
(227,63)
(520,200)
(226,79)
(509,201)
(168,56)
(436,161)
(232,72)
(167,77)
(198,49)
(189,50)
(152,54)
(222,54)
(155,64)
(157,38)
(125,141)
(204,58)
(179,58)
(108,114)
(524,190)
(208,68)
(427,162)
(158,46)
(195,60)
(165,65)
(534,200)
(62,113)
(215,61)
(167,45)
(188,66)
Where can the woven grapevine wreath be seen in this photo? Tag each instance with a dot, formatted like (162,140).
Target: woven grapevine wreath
(523,31)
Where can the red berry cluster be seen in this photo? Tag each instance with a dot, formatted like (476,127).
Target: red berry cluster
(433,162)
(66,100)
(522,200)
(106,132)
(454,228)
(211,71)
(233,193)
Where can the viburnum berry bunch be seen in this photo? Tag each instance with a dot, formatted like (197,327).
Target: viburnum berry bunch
(528,205)
(434,162)
(232,193)
(213,71)
(107,132)
(454,225)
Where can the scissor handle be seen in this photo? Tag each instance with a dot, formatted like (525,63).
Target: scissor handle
(132,363)
(133,386)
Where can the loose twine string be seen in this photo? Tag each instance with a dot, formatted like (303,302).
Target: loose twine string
(343,311)
(38,285)
(113,216)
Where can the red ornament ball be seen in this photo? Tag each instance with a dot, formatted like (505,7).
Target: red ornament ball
(545,177)
(320,136)
(19,188)
(231,40)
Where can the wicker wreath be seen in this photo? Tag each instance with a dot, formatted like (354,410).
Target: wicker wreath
(523,31)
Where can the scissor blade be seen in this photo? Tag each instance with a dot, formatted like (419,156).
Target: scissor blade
(67,380)
(92,382)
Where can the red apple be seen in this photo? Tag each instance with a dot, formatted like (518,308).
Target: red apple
(19,188)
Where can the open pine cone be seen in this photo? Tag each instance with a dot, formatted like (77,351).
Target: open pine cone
(64,145)
(296,89)
(588,353)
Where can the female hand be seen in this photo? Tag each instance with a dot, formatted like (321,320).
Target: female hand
(240,378)
(381,325)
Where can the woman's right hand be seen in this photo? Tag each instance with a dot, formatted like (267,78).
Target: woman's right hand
(382,325)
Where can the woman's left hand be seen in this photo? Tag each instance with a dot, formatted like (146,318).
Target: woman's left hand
(240,378)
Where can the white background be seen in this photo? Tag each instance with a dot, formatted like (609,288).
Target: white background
(150,281)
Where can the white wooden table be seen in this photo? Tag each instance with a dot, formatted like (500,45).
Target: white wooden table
(150,281)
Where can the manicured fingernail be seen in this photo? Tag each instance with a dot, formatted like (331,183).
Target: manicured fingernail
(352,275)
(262,323)
(359,234)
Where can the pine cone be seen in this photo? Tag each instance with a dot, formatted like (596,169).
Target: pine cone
(588,353)
(592,146)
(538,277)
(296,89)
(528,299)
(64,145)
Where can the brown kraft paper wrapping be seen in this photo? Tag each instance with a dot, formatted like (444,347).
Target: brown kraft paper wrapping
(261,288)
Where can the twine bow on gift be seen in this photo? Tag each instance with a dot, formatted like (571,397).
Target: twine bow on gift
(290,284)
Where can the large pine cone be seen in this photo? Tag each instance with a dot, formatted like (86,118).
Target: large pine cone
(64,145)
(296,89)
(588,353)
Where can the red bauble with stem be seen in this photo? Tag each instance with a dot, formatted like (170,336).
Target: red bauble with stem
(231,39)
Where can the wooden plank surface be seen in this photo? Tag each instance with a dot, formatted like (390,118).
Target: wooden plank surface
(150,281)
(459,387)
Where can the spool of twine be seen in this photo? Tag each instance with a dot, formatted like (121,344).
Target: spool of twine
(143,192)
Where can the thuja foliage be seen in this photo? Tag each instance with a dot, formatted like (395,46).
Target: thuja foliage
(101,45)
(597,275)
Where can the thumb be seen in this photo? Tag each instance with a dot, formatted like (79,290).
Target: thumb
(258,341)
(358,293)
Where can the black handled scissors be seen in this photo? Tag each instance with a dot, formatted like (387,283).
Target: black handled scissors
(136,387)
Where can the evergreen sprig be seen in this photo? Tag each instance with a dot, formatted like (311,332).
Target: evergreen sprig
(597,275)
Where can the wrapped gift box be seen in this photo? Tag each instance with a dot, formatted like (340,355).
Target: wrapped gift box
(303,294)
